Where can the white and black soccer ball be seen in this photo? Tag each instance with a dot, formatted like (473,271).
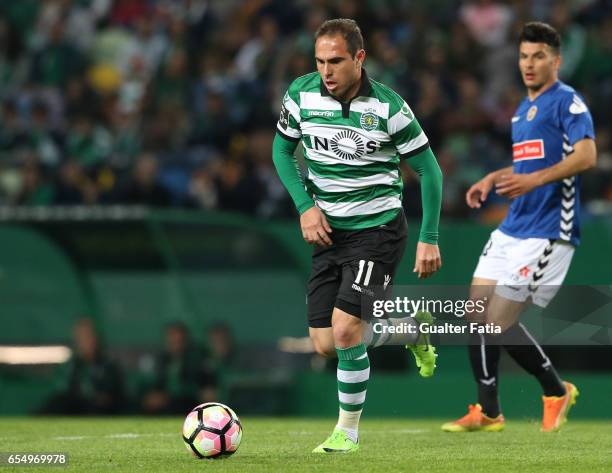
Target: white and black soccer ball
(212,430)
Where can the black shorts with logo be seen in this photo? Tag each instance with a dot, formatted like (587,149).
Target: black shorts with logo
(360,263)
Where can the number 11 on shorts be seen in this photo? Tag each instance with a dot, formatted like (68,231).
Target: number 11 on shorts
(362,263)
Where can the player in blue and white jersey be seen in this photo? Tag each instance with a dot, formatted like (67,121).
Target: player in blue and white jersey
(527,257)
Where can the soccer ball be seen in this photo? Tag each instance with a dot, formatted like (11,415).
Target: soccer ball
(211,430)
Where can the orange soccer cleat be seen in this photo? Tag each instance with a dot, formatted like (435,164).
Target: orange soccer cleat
(475,421)
(556,408)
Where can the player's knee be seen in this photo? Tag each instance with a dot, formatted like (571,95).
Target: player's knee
(477,312)
(346,335)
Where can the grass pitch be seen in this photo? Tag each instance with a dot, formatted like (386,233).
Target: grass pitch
(284,445)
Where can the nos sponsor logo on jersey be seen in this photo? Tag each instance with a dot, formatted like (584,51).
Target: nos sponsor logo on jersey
(346,145)
(526,150)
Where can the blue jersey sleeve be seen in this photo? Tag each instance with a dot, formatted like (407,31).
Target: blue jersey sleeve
(576,119)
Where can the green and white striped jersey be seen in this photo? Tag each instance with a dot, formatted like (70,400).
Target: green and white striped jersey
(352,150)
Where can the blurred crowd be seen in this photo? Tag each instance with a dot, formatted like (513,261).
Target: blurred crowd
(180,376)
(174,102)
(184,371)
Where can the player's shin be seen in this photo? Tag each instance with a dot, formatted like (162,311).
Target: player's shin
(353,374)
(524,349)
(484,358)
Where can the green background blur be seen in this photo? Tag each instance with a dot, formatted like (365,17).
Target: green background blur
(135,270)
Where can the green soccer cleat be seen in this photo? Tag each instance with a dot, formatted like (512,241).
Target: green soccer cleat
(338,442)
(424,353)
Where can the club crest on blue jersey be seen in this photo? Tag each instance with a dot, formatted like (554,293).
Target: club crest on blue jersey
(532,113)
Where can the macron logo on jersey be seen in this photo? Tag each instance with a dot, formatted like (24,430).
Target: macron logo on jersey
(526,150)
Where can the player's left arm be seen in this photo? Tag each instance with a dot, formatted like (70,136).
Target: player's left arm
(584,157)
(428,259)
(413,146)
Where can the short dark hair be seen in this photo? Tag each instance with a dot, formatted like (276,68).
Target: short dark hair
(539,32)
(346,28)
(178,325)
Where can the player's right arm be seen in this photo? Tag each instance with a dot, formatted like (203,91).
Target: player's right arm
(478,193)
(314,225)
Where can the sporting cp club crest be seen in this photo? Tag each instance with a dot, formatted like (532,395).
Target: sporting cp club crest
(531,113)
(368,121)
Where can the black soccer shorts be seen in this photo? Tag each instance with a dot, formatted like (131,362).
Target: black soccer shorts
(360,264)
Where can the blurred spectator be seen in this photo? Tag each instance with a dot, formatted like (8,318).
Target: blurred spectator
(237,188)
(597,184)
(462,49)
(596,68)
(127,144)
(469,114)
(12,60)
(151,43)
(430,105)
(182,379)
(214,127)
(167,129)
(171,85)
(79,97)
(11,129)
(391,68)
(56,60)
(34,185)
(202,191)
(92,383)
(88,142)
(222,347)
(43,136)
(487,20)
(127,12)
(74,186)
(254,58)
(573,39)
(144,187)
(275,201)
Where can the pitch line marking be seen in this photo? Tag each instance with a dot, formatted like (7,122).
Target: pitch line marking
(126,435)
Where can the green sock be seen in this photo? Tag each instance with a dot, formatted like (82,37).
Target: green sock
(353,374)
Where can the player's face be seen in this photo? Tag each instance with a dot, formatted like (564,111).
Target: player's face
(539,65)
(339,70)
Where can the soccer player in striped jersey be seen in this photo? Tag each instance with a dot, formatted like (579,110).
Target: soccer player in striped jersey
(528,256)
(354,132)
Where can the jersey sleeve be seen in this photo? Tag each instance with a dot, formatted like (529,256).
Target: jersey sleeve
(289,120)
(576,119)
(406,133)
